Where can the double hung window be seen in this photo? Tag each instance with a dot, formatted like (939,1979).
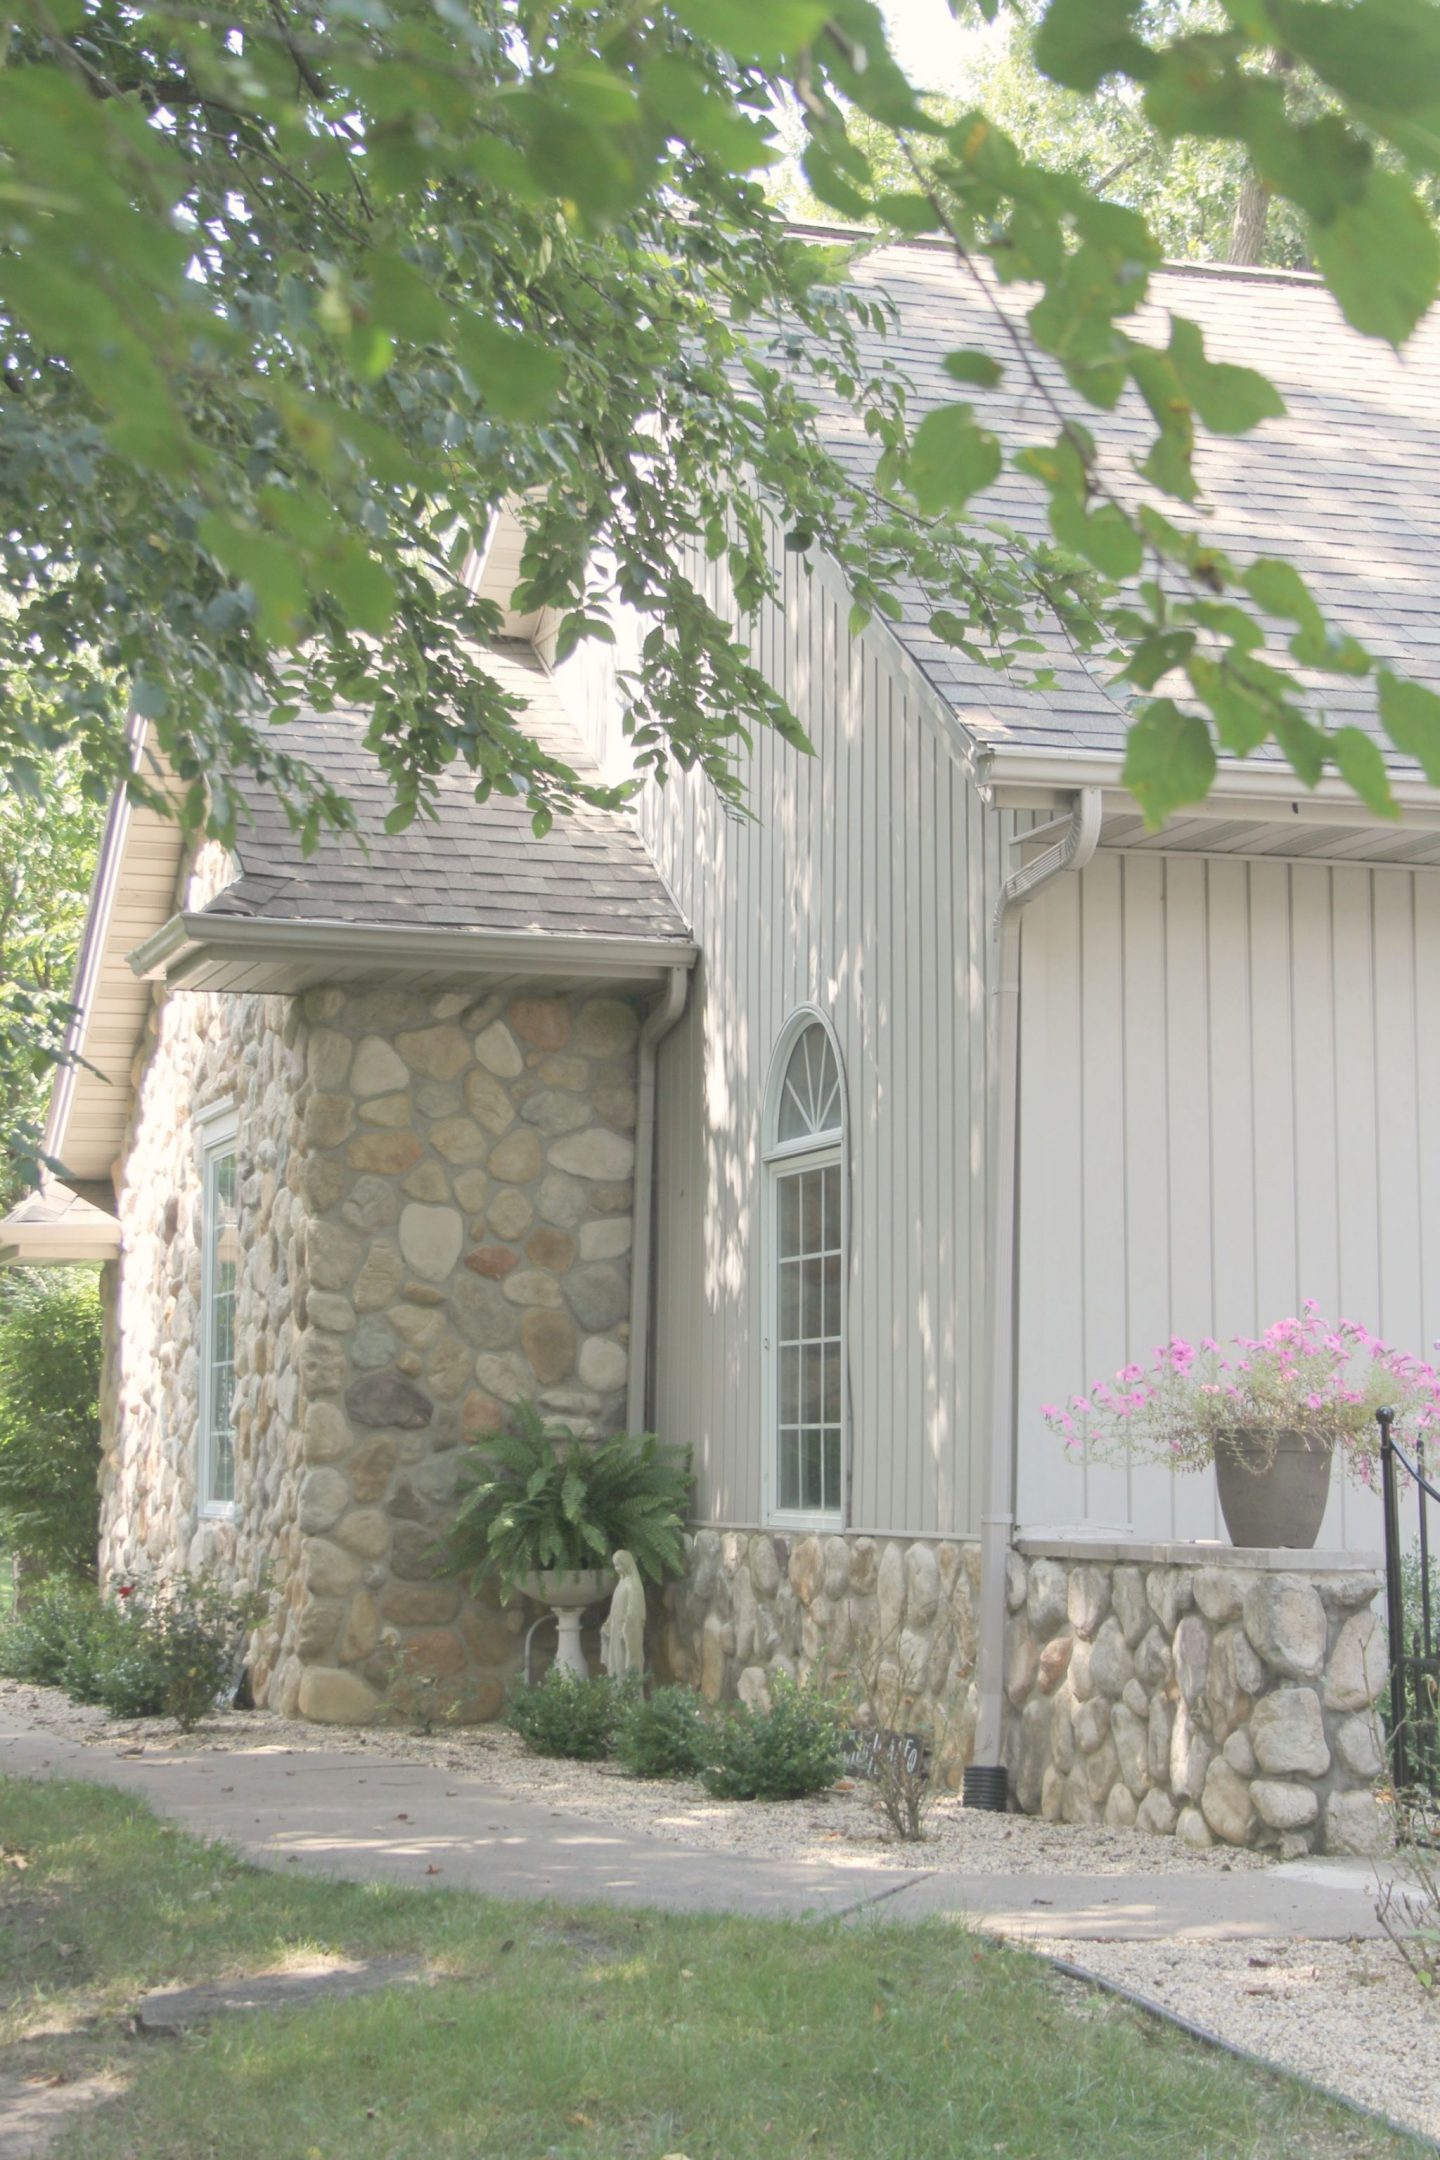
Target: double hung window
(219,1280)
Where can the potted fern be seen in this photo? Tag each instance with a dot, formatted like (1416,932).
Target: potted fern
(542,1511)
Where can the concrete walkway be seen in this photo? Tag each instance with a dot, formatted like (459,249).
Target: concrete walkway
(416,1823)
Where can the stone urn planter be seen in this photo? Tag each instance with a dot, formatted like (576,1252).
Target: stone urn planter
(568,1592)
(1280,1502)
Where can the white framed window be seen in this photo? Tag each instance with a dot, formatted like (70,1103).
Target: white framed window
(806,1215)
(219,1280)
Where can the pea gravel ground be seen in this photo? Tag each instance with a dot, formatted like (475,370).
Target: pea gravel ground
(1346,2015)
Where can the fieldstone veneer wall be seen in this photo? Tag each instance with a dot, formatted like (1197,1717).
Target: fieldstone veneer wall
(1227,1696)
(435,1218)
(201,1050)
(468,1176)
(751,1604)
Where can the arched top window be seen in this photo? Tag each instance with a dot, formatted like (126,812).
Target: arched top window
(805,1320)
(808,1108)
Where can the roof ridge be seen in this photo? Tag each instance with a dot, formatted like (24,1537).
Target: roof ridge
(927,243)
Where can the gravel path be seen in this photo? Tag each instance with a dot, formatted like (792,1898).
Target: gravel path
(1346,2015)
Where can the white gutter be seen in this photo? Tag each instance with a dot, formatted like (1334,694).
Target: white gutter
(657,1024)
(1239,788)
(188,941)
(985,1779)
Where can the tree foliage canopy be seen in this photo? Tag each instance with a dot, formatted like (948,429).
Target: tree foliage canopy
(48,841)
(293,299)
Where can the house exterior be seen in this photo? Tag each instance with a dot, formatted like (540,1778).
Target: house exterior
(831,1143)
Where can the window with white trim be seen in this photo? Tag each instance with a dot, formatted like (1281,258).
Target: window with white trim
(805,1176)
(219,1279)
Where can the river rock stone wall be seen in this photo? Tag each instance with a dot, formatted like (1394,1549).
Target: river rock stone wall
(467,1177)
(898,1613)
(201,1051)
(435,1220)
(1220,1696)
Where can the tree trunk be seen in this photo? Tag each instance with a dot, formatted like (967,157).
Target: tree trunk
(1252,206)
(1252,216)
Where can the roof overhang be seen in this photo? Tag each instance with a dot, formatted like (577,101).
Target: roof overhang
(55,1227)
(137,876)
(1250,808)
(204,951)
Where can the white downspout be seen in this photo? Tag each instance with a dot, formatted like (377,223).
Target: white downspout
(985,1783)
(656,1025)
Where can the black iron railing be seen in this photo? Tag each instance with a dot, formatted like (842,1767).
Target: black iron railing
(1413,1720)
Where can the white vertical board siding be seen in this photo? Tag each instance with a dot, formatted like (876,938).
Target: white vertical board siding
(1224,1073)
(861,885)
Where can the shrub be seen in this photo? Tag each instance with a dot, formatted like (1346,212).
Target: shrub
(666,1737)
(166,1649)
(52,1631)
(564,1715)
(782,1753)
(50,1418)
(195,1629)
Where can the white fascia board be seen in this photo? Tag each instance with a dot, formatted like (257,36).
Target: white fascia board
(92,948)
(1045,779)
(187,939)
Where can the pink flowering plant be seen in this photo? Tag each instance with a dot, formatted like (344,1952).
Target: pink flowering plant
(1312,1376)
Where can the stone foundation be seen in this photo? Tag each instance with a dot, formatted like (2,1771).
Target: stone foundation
(1217,1694)
(751,1604)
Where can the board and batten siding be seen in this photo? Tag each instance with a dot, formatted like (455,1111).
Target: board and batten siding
(862,885)
(1226,1069)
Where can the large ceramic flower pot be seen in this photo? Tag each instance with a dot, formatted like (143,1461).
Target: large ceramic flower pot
(1280,1502)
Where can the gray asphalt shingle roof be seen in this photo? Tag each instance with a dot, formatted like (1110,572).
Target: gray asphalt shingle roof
(1346,486)
(475,866)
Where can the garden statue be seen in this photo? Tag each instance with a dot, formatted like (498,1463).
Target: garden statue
(622,1638)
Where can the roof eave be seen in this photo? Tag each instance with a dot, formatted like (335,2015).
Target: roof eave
(1023,778)
(197,950)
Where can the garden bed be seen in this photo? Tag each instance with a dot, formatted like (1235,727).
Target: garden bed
(834,1826)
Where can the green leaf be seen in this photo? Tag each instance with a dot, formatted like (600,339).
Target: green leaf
(363,588)
(973,367)
(767,32)
(1155,656)
(268,566)
(1381,258)
(1384,53)
(1105,537)
(1411,715)
(908,213)
(951,459)
(1080,42)
(1169,760)
(518,376)
(1279,588)
(1230,400)
(1359,762)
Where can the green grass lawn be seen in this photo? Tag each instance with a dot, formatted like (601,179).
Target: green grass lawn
(547,2033)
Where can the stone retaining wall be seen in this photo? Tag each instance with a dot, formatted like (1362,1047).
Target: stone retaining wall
(751,1604)
(1222,1695)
